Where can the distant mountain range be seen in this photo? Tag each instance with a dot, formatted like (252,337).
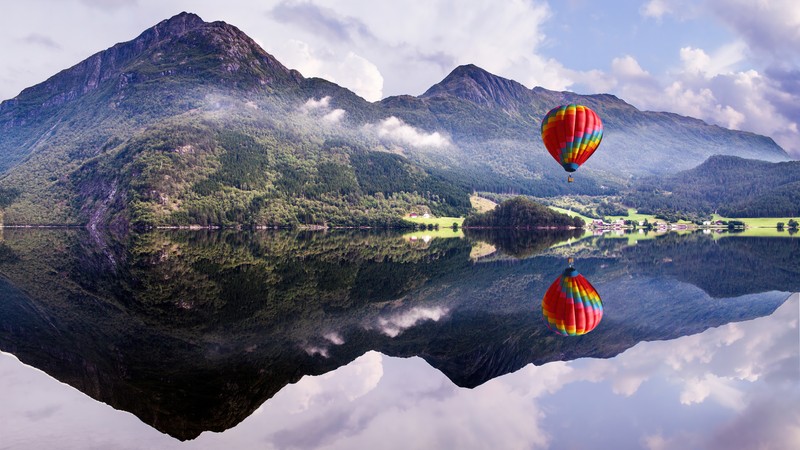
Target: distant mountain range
(728,185)
(194,123)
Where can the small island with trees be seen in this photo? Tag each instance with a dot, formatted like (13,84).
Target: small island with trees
(522,213)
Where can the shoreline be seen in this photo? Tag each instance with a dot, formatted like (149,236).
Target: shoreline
(669,227)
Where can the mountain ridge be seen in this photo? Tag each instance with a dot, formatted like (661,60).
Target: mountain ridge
(227,135)
(107,64)
(102,65)
(729,185)
(478,85)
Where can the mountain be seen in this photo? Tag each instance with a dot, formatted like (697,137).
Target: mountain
(192,123)
(175,55)
(506,118)
(728,185)
(470,82)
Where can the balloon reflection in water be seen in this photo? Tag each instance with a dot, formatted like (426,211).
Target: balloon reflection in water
(571,306)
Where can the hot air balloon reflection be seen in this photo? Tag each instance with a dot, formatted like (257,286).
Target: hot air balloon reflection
(571,306)
(571,134)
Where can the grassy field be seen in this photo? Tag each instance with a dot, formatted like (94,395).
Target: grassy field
(443,222)
(635,237)
(481,249)
(758,222)
(758,232)
(571,213)
(482,204)
(634,215)
(752,222)
(440,233)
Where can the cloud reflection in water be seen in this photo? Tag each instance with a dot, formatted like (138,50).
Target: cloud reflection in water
(735,386)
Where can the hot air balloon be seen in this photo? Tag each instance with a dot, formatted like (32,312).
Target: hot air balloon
(571,134)
(571,306)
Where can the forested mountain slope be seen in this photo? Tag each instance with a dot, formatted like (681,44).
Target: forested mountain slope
(728,185)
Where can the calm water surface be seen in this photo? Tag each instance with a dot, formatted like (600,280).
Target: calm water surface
(379,340)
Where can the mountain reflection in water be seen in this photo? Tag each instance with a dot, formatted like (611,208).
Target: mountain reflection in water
(194,331)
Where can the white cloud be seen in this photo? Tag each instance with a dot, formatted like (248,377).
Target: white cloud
(698,62)
(394,129)
(627,67)
(334,338)
(39,411)
(547,73)
(699,103)
(770,26)
(655,8)
(413,406)
(323,107)
(361,76)
(682,9)
(299,55)
(367,369)
(347,383)
(345,68)
(323,350)
(316,350)
(312,103)
(334,116)
(548,379)
(596,81)
(394,325)
(695,60)
(417,43)
(656,442)
(707,86)
(628,385)
(694,391)
(724,87)
(720,389)
(770,421)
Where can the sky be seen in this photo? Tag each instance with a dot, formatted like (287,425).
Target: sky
(734,63)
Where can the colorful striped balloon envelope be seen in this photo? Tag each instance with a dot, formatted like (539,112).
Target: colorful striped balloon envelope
(571,133)
(571,306)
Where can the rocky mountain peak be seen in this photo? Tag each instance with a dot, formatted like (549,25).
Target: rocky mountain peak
(181,46)
(179,23)
(166,29)
(472,83)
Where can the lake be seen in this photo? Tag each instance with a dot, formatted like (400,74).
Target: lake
(235,339)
